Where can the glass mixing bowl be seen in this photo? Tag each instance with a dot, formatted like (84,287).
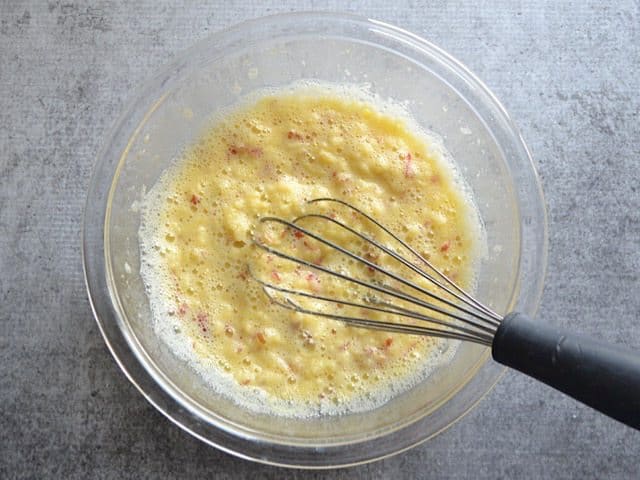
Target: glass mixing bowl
(171,110)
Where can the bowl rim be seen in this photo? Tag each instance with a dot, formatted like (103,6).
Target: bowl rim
(96,215)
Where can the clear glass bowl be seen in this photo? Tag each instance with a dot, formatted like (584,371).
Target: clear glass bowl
(170,111)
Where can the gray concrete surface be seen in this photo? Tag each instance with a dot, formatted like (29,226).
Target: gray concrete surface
(567,71)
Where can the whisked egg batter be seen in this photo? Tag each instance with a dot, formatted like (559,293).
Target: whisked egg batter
(266,158)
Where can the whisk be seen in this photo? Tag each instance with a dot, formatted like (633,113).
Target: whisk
(603,376)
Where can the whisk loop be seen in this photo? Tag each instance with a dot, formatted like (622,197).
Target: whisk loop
(459,317)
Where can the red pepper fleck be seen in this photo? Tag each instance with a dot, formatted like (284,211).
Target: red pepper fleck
(445,246)
(294,135)
(275,275)
(388,342)
(183,308)
(260,337)
(408,165)
(202,319)
(309,245)
(372,258)
(298,234)
(255,152)
(195,199)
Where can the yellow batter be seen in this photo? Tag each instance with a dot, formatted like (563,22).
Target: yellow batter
(267,158)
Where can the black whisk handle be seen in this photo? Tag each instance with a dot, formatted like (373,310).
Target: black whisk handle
(602,376)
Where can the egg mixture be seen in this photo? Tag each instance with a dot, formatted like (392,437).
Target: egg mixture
(267,158)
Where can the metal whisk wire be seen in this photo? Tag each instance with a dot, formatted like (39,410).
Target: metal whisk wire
(467,319)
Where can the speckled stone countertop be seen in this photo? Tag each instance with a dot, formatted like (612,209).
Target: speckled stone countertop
(568,72)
